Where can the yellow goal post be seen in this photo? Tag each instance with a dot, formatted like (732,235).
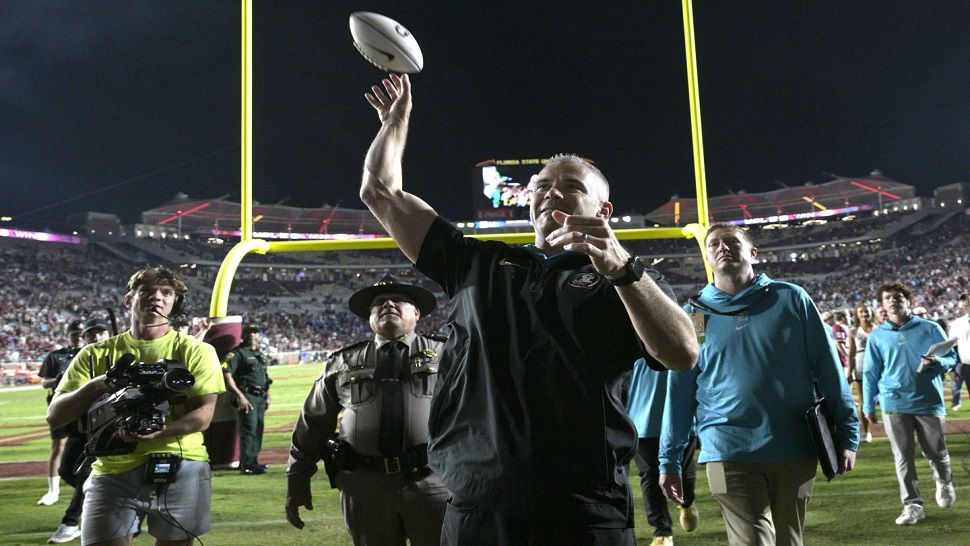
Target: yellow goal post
(219,304)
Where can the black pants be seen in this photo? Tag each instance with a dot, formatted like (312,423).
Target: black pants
(251,431)
(653,497)
(600,518)
(70,459)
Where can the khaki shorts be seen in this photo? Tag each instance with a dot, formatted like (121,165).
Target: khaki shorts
(112,504)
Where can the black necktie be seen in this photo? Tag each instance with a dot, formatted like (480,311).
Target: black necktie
(391,438)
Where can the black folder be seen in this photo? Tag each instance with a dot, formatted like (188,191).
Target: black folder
(821,427)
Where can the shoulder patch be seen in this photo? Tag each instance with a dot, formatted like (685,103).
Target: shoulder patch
(351,346)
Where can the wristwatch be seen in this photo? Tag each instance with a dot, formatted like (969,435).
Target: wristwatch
(632,272)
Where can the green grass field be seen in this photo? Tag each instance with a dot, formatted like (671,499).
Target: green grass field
(857,509)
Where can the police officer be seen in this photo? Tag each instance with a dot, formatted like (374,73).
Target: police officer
(247,382)
(380,390)
(50,373)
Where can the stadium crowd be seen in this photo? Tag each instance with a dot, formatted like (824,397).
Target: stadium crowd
(300,300)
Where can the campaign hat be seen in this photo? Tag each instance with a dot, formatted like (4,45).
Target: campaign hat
(361,300)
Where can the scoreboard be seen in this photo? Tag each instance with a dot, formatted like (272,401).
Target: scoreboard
(501,188)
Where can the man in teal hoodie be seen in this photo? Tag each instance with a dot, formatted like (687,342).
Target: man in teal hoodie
(764,349)
(908,380)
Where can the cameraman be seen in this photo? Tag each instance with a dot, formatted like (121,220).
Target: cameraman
(118,488)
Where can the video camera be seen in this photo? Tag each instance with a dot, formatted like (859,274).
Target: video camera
(140,408)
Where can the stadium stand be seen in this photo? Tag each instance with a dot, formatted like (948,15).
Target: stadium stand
(300,299)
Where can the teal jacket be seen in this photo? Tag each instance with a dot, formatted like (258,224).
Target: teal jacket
(891,364)
(763,352)
(645,405)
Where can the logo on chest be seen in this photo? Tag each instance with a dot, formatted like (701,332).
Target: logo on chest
(741,321)
(584,280)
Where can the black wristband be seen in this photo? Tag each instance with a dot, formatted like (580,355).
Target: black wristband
(632,272)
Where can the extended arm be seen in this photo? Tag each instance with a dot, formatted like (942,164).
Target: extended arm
(314,427)
(826,364)
(242,403)
(680,409)
(69,406)
(406,217)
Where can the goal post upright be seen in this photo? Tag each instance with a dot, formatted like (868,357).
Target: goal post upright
(219,304)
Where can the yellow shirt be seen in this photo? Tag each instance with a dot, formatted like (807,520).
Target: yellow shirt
(202,363)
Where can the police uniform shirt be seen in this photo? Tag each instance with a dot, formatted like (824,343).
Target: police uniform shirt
(529,399)
(347,387)
(247,366)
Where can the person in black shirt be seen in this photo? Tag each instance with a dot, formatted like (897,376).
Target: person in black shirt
(51,371)
(527,425)
(74,467)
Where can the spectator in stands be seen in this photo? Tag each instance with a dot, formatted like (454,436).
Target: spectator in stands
(909,385)
(765,353)
(525,367)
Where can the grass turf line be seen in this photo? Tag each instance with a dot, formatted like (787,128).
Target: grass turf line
(858,509)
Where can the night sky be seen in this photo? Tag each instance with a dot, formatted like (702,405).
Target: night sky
(115,106)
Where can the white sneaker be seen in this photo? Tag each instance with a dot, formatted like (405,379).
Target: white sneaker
(955,407)
(48,499)
(868,438)
(912,514)
(64,533)
(946,496)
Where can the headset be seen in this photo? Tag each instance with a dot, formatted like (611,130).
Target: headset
(179,308)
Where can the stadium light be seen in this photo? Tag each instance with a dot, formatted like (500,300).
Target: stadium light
(6,218)
(626,219)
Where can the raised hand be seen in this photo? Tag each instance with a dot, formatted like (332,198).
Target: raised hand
(593,236)
(393,103)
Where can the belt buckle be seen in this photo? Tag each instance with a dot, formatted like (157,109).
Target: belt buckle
(392,465)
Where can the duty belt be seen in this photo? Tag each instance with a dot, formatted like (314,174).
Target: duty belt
(413,462)
(256,391)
